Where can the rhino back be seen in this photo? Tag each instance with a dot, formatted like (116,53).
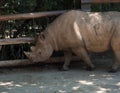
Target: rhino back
(83,29)
(62,33)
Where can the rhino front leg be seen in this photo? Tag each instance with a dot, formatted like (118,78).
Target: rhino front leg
(67,56)
(82,53)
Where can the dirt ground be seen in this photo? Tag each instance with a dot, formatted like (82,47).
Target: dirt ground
(47,79)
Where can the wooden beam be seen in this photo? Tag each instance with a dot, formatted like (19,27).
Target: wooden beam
(29,15)
(106,1)
(8,63)
(9,41)
(24,62)
(99,1)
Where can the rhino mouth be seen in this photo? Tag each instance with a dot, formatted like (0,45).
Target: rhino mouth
(32,57)
(28,54)
(39,53)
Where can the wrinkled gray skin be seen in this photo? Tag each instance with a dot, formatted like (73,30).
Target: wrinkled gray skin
(80,32)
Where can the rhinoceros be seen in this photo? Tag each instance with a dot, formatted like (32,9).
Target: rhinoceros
(80,32)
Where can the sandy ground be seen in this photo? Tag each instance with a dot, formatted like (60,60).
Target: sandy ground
(47,79)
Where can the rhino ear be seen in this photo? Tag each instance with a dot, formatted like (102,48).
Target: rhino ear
(41,41)
(36,37)
(27,54)
(42,36)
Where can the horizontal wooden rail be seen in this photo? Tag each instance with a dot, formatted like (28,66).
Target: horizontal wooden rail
(27,62)
(9,41)
(50,13)
(24,62)
(106,1)
(29,15)
(99,1)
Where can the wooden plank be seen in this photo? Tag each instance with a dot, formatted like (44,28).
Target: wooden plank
(8,63)
(99,1)
(16,41)
(24,62)
(29,15)
(43,14)
(106,1)
(27,62)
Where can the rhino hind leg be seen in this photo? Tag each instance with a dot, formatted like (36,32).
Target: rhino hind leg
(67,56)
(114,67)
(82,53)
(116,63)
(115,44)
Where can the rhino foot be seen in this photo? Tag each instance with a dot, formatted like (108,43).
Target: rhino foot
(112,71)
(63,68)
(88,68)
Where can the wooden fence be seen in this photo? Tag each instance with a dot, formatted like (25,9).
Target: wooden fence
(9,41)
(29,39)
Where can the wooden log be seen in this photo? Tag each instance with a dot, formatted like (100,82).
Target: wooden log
(16,40)
(24,62)
(29,15)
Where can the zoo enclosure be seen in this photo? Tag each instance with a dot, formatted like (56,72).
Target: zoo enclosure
(24,40)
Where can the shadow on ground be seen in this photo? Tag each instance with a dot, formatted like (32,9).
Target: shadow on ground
(46,78)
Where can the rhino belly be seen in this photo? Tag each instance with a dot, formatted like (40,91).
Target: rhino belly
(97,44)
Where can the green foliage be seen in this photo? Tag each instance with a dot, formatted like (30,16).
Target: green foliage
(17,6)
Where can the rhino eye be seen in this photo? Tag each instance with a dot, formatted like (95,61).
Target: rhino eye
(39,53)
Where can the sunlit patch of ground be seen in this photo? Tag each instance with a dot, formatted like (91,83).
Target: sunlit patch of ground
(48,79)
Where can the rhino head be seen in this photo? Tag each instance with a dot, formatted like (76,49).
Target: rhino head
(41,51)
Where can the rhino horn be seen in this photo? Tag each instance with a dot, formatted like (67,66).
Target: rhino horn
(27,54)
(32,48)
